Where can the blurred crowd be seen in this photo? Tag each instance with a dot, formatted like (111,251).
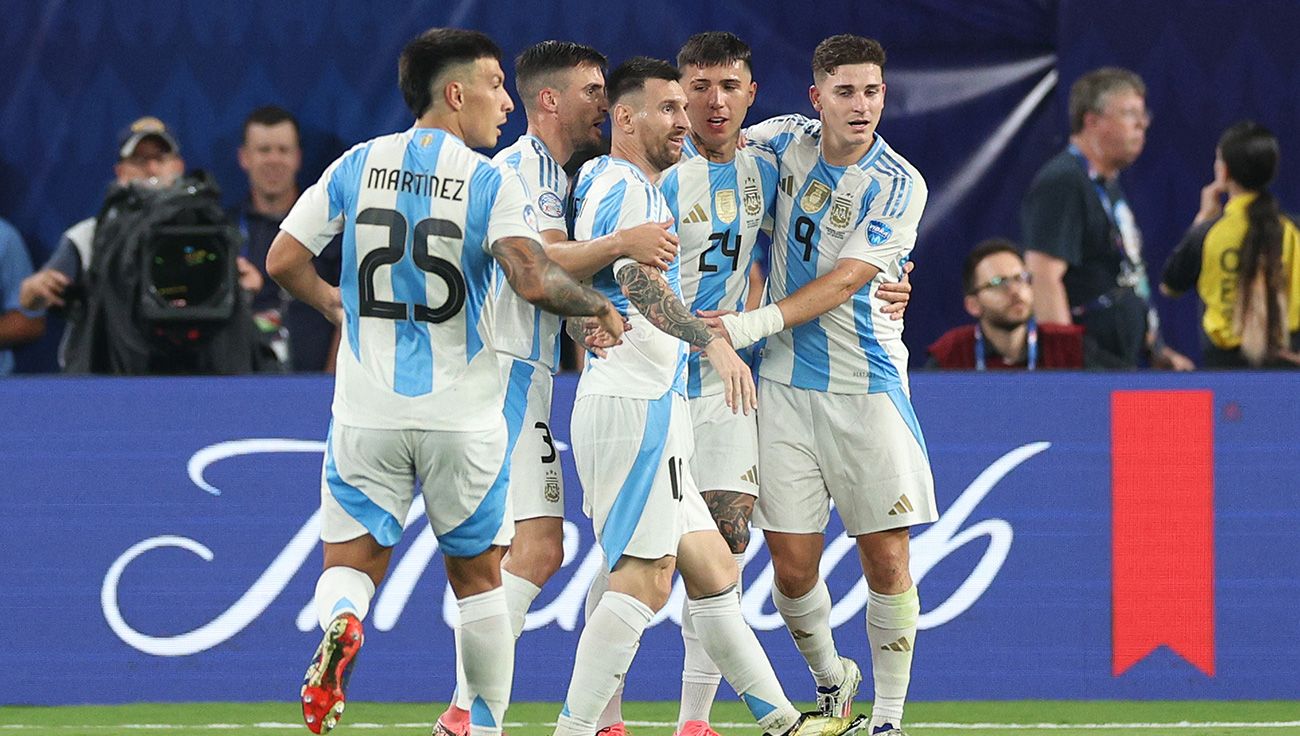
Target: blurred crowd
(162,281)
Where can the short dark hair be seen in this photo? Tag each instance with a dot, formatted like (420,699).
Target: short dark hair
(539,61)
(1089,92)
(430,54)
(270,115)
(714,48)
(631,76)
(843,49)
(977,255)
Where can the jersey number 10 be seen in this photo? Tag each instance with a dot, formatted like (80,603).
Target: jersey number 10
(431,227)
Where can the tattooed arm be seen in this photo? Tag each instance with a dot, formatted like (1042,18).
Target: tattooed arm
(651,295)
(538,280)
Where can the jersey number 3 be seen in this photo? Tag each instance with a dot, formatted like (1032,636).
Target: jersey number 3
(430,227)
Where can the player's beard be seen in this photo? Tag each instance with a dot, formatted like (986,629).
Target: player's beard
(663,156)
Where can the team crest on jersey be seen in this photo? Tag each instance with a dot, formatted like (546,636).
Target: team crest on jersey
(753,200)
(878,232)
(814,197)
(425,140)
(840,213)
(724,204)
(550,205)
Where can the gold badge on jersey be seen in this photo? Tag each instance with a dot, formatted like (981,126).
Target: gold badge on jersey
(753,201)
(814,197)
(426,139)
(840,213)
(724,204)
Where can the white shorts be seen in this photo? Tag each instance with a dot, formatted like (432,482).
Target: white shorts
(633,459)
(864,451)
(368,484)
(536,479)
(726,447)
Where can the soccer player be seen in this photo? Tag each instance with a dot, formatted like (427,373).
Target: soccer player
(720,197)
(632,435)
(562,87)
(837,423)
(419,390)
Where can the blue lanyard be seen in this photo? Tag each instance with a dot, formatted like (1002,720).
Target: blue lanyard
(1107,205)
(1032,349)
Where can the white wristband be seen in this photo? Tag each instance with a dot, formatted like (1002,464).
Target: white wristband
(747,328)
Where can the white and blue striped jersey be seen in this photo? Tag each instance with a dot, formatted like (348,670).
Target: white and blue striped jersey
(522,330)
(869,211)
(418,211)
(719,209)
(612,194)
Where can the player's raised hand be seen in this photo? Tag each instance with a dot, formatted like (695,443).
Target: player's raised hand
(897,294)
(737,379)
(652,243)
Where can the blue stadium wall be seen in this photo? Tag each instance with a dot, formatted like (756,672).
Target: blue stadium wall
(1101,537)
(976,95)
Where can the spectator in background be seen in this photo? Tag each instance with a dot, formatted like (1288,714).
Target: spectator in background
(17,325)
(1082,242)
(1243,258)
(271,155)
(999,295)
(147,153)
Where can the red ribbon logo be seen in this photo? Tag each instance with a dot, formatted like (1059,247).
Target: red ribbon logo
(1162,526)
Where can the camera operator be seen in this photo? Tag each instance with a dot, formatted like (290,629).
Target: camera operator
(148,158)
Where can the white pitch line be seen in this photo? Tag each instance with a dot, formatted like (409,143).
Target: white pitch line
(668,724)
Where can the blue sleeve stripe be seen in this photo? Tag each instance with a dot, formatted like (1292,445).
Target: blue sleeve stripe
(475,263)
(346,180)
(873,189)
(606,220)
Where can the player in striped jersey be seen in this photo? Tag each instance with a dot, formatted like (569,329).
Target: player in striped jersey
(562,87)
(721,196)
(632,435)
(419,391)
(837,422)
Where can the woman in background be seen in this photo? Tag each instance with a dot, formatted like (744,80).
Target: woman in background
(1243,257)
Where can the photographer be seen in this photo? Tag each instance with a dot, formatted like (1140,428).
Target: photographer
(148,159)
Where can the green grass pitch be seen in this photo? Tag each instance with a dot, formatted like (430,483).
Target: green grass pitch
(1058,718)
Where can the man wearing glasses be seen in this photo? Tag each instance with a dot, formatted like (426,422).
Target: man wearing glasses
(999,294)
(1081,239)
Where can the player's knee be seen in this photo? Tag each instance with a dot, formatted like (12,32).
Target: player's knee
(887,570)
(795,582)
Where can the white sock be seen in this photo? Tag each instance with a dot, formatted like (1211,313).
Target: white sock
(732,645)
(519,598)
(489,659)
(891,629)
(613,712)
(605,650)
(700,676)
(809,620)
(342,590)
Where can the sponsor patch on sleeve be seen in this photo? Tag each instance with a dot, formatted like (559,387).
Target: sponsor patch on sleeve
(550,205)
(878,232)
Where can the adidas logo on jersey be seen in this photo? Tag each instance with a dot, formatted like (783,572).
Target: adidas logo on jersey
(697,215)
(902,506)
(787,185)
(751,475)
(902,645)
